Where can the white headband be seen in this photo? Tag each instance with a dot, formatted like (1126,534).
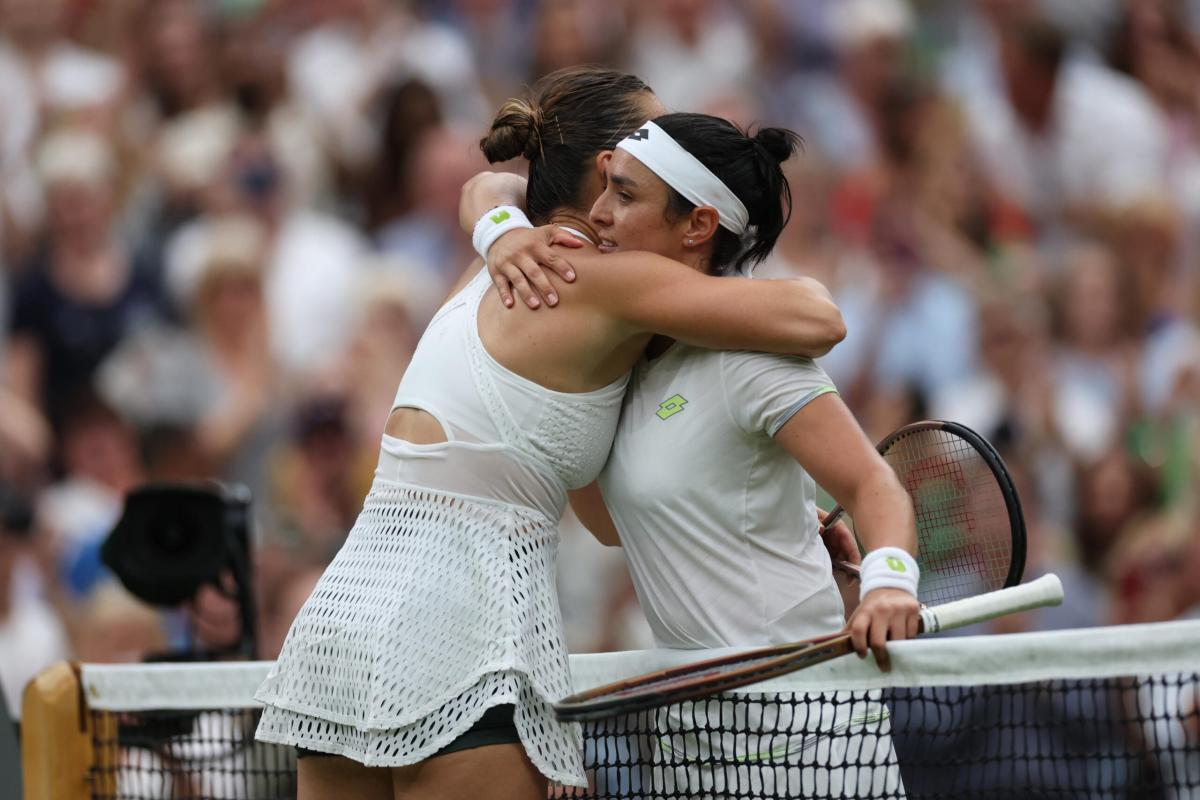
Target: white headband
(684,173)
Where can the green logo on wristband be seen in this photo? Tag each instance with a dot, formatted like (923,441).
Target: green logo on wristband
(895,564)
(499,217)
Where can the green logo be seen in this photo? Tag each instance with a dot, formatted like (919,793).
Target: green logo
(499,217)
(896,565)
(671,406)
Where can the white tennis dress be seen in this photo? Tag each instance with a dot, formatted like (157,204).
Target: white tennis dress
(442,603)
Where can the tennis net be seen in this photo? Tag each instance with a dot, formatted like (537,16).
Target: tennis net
(1096,713)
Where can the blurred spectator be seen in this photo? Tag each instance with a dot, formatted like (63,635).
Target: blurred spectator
(1062,135)
(320,476)
(842,111)
(354,48)
(31,635)
(220,380)
(1094,370)
(311,258)
(100,463)
(691,52)
(428,233)
(1153,44)
(115,628)
(69,81)
(82,292)
(908,326)
(571,32)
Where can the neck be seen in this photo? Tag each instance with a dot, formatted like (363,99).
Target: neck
(573,219)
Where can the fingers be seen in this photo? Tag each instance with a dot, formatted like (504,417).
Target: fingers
(560,237)
(521,286)
(860,627)
(550,260)
(884,615)
(541,283)
(504,288)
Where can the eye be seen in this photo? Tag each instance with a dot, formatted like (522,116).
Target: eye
(625,197)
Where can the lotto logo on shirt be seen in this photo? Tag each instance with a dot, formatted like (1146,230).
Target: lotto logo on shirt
(671,406)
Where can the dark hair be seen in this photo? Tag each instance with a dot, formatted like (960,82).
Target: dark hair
(751,166)
(571,116)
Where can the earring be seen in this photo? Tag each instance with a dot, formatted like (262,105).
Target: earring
(690,241)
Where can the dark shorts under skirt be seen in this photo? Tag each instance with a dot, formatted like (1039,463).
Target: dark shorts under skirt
(496,726)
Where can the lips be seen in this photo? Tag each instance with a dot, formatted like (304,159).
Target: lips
(607,245)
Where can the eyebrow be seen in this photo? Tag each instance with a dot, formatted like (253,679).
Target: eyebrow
(624,181)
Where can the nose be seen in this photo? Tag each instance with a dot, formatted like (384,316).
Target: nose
(601,213)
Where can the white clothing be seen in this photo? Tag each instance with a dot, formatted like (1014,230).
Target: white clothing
(719,526)
(718,521)
(1106,143)
(441,604)
(686,75)
(31,639)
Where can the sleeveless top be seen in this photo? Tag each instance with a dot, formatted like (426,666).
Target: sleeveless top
(442,601)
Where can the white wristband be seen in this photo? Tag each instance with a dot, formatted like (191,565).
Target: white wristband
(888,568)
(494,224)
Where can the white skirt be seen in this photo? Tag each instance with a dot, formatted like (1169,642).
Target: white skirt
(438,607)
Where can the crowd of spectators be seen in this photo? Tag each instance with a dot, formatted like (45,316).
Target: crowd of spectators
(224,223)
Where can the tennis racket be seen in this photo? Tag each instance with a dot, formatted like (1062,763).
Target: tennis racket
(970,531)
(706,678)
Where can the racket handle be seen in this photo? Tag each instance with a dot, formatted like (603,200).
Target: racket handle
(1045,591)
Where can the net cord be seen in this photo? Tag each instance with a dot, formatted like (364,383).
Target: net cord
(941,661)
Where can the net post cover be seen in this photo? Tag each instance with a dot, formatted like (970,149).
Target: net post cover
(56,746)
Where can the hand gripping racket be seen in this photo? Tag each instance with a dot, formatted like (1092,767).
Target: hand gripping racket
(706,678)
(970,531)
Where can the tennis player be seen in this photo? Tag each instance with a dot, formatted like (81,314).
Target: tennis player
(425,660)
(710,484)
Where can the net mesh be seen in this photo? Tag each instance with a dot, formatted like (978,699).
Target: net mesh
(1108,713)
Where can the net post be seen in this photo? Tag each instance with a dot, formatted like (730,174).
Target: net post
(56,746)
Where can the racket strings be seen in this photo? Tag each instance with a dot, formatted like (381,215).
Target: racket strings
(961,514)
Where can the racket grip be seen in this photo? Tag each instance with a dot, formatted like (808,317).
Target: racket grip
(1045,591)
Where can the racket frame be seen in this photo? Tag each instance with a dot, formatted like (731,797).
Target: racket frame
(991,458)
(614,699)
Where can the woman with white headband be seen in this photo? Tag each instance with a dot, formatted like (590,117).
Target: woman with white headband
(426,659)
(710,483)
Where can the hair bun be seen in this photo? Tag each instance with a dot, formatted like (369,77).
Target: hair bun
(516,131)
(778,143)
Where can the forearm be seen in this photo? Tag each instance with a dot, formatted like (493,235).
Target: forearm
(882,512)
(791,317)
(484,192)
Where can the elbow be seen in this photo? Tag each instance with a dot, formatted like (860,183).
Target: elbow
(835,328)
(823,333)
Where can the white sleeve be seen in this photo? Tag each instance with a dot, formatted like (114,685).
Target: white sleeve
(764,391)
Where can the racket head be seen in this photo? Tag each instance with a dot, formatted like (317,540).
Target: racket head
(698,680)
(970,528)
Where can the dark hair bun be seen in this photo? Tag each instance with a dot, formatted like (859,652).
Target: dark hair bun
(778,143)
(516,131)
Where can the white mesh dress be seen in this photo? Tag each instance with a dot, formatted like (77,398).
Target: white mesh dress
(442,603)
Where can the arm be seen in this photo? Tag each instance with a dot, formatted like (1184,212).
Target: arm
(588,505)
(825,438)
(485,191)
(519,263)
(649,293)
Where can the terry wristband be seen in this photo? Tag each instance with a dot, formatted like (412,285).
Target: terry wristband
(494,224)
(888,568)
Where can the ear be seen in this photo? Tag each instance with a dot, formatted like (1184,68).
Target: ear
(602,159)
(702,224)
